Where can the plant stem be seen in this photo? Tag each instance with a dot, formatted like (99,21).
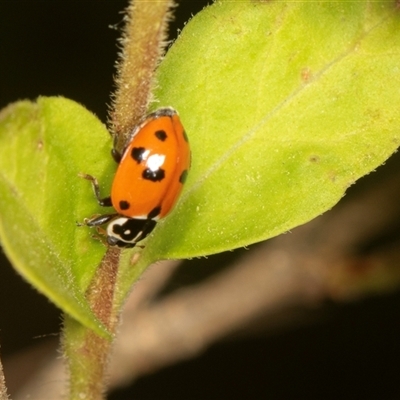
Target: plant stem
(3,389)
(143,42)
(87,353)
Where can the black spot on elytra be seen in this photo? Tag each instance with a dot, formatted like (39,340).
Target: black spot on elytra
(154,176)
(137,154)
(182,178)
(154,212)
(124,205)
(161,135)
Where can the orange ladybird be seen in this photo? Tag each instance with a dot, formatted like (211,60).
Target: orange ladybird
(148,181)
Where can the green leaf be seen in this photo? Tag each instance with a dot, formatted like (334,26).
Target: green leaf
(43,147)
(286,104)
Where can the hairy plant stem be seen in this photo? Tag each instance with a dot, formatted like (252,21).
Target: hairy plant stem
(3,389)
(143,42)
(87,353)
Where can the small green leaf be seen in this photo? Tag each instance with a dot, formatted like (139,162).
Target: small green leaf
(286,104)
(43,147)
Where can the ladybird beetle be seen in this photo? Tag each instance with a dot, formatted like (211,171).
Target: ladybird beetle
(149,179)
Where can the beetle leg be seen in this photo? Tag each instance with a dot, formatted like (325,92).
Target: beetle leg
(98,220)
(104,202)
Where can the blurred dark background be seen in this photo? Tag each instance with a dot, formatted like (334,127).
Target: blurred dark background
(349,351)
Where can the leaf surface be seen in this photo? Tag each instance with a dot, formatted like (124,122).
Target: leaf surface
(286,104)
(43,147)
